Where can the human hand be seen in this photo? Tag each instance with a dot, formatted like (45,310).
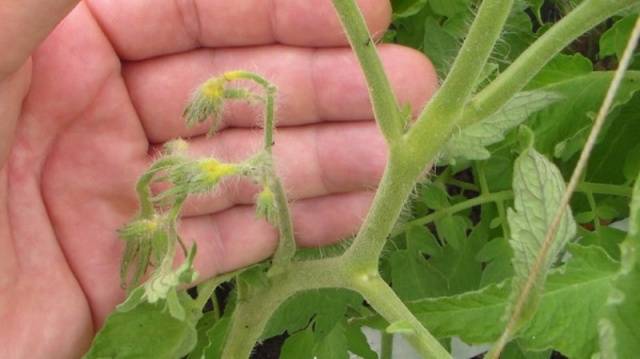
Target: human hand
(108,85)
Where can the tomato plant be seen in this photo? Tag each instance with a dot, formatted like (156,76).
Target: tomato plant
(533,137)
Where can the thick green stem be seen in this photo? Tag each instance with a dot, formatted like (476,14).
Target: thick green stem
(393,192)
(385,301)
(252,314)
(586,16)
(386,345)
(385,104)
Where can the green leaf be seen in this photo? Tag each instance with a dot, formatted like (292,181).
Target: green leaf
(406,8)
(496,255)
(632,163)
(440,46)
(562,68)
(434,196)
(616,159)
(450,270)
(452,230)
(562,128)
(298,346)
(358,344)
(619,327)
(420,240)
(412,278)
(538,187)
(333,345)
(536,6)
(615,39)
(449,8)
(205,323)
(327,306)
(565,319)
(515,351)
(217,335)
(606,238)
(147,331)
(471,143)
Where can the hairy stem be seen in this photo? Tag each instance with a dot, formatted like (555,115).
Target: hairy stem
(583,18)
(385,104)
(393,192)
(287,244)
(253,312)
(523,297)
(443,111)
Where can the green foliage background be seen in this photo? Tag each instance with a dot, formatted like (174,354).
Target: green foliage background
(451,258)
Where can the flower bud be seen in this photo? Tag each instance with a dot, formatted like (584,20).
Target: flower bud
(266,206)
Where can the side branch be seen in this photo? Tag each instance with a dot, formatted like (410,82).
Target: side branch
(443,111)
(586,16)
(385,104)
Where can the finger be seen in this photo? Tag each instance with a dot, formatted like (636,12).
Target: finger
(25,23)
(234,239)
(313,161)
(148,28)
(314,85)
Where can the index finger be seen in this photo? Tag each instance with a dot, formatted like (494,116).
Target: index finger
(148,28)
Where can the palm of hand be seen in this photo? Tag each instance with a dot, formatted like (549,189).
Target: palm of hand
(84,136)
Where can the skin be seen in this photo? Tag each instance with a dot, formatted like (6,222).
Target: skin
(89,91)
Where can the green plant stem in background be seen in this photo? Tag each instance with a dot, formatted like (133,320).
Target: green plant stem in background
(502,196)
(287,243)
(583,18)
(386,345)
(605,188)
(566,198)
(385,301)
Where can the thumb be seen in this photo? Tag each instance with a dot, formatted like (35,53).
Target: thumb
(23,25)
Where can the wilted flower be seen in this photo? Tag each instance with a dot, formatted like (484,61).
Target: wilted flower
(140,229)
(207,102)
(197,176)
